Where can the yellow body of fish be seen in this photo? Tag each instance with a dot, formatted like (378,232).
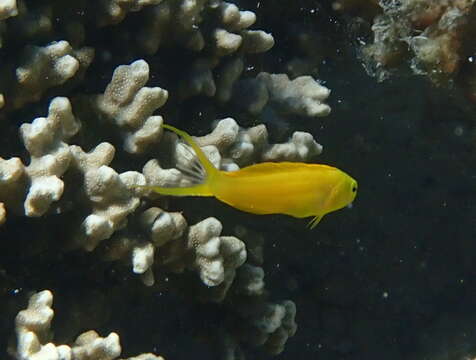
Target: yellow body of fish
(296,189)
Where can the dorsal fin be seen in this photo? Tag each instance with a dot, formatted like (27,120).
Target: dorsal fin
(270,167)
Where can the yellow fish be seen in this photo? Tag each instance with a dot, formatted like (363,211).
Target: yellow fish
(290,188)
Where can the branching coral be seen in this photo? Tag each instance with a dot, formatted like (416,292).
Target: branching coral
(302,96)
(42,68)
(216,257)
(182,21)
(224,31)
(50,156)
(105,192)
(190,24)
(34,334)
(262,322)
(129,104)
(156,240)
(245,146)
(153,241)
(92,184)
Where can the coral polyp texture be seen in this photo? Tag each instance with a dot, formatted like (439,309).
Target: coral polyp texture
(33,188)
(34,335)
(216,257)
(129,104)
(47,67)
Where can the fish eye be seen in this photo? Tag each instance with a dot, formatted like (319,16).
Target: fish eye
(354,188)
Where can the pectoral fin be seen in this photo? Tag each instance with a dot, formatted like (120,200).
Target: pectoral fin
(315,220)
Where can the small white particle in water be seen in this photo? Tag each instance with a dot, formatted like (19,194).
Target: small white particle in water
(385,295)
(458,130)
(470,59)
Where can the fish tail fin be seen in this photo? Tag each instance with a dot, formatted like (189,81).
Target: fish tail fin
(210,169)
(202,173)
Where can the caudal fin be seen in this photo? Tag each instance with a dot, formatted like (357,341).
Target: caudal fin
(207,165)
(206,177)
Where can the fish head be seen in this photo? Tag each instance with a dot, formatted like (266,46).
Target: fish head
(343,193)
